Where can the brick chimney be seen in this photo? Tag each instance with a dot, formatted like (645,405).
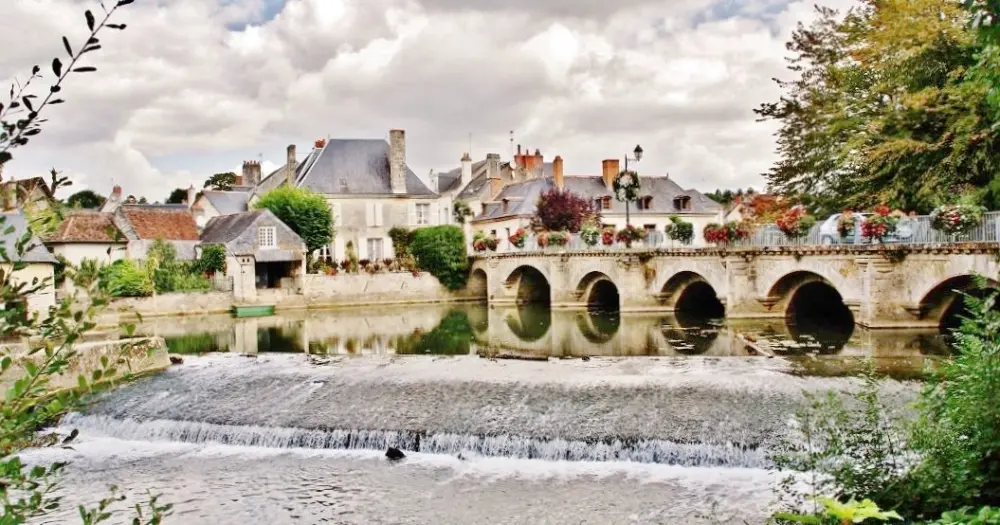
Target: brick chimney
(432,178)
(493,174)
(397,160)
(557,173)
(116,191)
(609,170)
(319,144)
(190,195)
(466,171)
(290,164)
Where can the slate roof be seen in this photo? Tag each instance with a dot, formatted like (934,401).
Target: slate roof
(523,196)
(355,167)
(87,226)
(36,251)
(228,229)
(227,202)
(474,190)
(162,221)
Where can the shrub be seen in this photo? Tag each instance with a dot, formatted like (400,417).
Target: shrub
(126,278)
(440,250)
(213,258)
(460,210)
(680,230)
(305,212)
(562,210)
(189,281)
(87,273)
(401,239)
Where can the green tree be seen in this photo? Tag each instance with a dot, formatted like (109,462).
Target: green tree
(305,212)
(85,199)
(885,108)
(178,196)
(221,181)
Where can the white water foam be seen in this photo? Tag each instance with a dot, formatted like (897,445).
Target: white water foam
(505,446)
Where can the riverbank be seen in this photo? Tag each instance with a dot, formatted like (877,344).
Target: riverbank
(318,292)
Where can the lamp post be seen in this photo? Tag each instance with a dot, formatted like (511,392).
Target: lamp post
(638,156)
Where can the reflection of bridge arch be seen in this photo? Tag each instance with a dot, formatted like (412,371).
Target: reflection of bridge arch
(944,303)
(530,322)
(690,292)
(531,285)
(597,290)
(597,328)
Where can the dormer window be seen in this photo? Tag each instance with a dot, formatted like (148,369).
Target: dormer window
(605,203)
(682,203)
(644,203)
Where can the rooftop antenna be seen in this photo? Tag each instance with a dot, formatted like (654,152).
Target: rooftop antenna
(470,143)
(511,143)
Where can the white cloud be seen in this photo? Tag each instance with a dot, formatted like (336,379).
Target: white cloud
(194,87)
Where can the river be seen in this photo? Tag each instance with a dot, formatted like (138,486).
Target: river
(507,416)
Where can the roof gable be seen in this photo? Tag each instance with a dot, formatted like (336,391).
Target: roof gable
(239,231)
(87,226)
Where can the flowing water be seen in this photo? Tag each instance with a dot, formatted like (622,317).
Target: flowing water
(516,416)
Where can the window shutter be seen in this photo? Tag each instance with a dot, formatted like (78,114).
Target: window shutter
(432,215)
(370,213)
(337,214)
(363,249)
(412,207)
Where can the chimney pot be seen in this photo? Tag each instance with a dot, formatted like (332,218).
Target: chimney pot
(466,171)
(397,160)
(320,143)
(190,196)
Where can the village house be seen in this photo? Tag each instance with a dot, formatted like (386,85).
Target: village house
(39,263)
(141,225)
(214,203)
(369,187)
(507,207)
(261,251)
(31,194)
(88,234)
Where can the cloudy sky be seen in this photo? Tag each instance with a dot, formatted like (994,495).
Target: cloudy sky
(195,87)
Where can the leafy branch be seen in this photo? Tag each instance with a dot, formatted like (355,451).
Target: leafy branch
(18,133)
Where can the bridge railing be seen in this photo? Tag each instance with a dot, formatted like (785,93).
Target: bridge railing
(911,230)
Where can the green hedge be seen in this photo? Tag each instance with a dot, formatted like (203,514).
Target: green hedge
(440,250)
(126,278)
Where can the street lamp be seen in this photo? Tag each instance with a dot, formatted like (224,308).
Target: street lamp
(638,156)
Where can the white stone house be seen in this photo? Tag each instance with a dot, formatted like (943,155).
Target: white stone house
(39,263)
(513,205)
(369,187)
(261,251)
(213,203)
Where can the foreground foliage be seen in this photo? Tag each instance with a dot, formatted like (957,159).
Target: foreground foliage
(441,251)
(948,458)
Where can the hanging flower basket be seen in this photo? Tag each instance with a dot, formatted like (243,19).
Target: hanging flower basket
(590,235)
(543,239)
(627,186)
(629,235)
(795,223)
(608,236)
(518,237)
(880,224)
(482,242)
(680,230)
(956,219)
(846,223)
(723,234)
(559,238)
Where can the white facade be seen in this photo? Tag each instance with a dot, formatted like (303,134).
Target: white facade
(365,222)
(76,252)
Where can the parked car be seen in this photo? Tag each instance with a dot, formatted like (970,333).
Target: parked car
(828,233)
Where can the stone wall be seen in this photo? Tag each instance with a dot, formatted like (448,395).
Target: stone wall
(147,356)
(172,304)
(367,289)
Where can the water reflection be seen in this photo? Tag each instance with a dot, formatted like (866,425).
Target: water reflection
(536,330)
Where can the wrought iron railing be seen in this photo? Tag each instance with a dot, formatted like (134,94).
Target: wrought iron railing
(910,230)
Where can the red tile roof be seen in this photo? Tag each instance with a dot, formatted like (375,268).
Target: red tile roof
(161,222)
(87,226)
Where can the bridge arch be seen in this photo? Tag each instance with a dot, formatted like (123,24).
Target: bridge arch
(598,291)
(810,301)
(530,285)
(690,292)
(478,285)
(944,303)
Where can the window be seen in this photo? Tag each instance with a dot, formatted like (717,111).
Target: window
(374,210)
(375,249)
(649,227)
(682,203)
(605,203)
(643,203)
(423,213)
(266,237)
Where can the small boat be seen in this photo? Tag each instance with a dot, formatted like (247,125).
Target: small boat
(253,310)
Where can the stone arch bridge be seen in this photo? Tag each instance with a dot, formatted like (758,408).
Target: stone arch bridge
(906,287)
